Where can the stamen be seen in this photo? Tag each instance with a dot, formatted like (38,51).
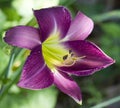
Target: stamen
(70,51)
(81,57)
(71,60)
(72,55)
(65,57)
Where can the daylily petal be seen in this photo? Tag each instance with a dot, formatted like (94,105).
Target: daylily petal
(23,36)
(80,27)
(68,86)
(53,20)
(87,58)
(35,73)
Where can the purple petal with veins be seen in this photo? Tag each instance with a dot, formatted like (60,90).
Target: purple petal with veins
(80,28)
(23,36)
(89,58)
(35,74)
(68,86)
(53,20)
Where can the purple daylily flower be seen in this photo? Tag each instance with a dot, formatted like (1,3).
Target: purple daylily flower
(58,49)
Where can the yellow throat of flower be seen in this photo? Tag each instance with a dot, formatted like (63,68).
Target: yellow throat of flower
(53,51)
(56,54)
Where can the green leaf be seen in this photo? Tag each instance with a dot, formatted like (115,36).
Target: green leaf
(112,29)
(115,14)
(107,103)
(110,40)
(11,14)
(2,19)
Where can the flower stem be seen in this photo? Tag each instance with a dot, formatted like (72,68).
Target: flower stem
(10,62)
(8,68)
(5,87)
(12,57)
(14,79)
(107,103)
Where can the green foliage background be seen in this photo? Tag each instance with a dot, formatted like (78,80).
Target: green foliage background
(102,86)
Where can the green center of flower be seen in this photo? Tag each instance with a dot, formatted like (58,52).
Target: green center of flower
(53,51)
(56,54)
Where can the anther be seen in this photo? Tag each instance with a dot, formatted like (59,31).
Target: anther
(70,51)
(65,57)
(72,54)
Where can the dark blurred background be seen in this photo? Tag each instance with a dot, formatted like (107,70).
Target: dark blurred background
(97,88)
